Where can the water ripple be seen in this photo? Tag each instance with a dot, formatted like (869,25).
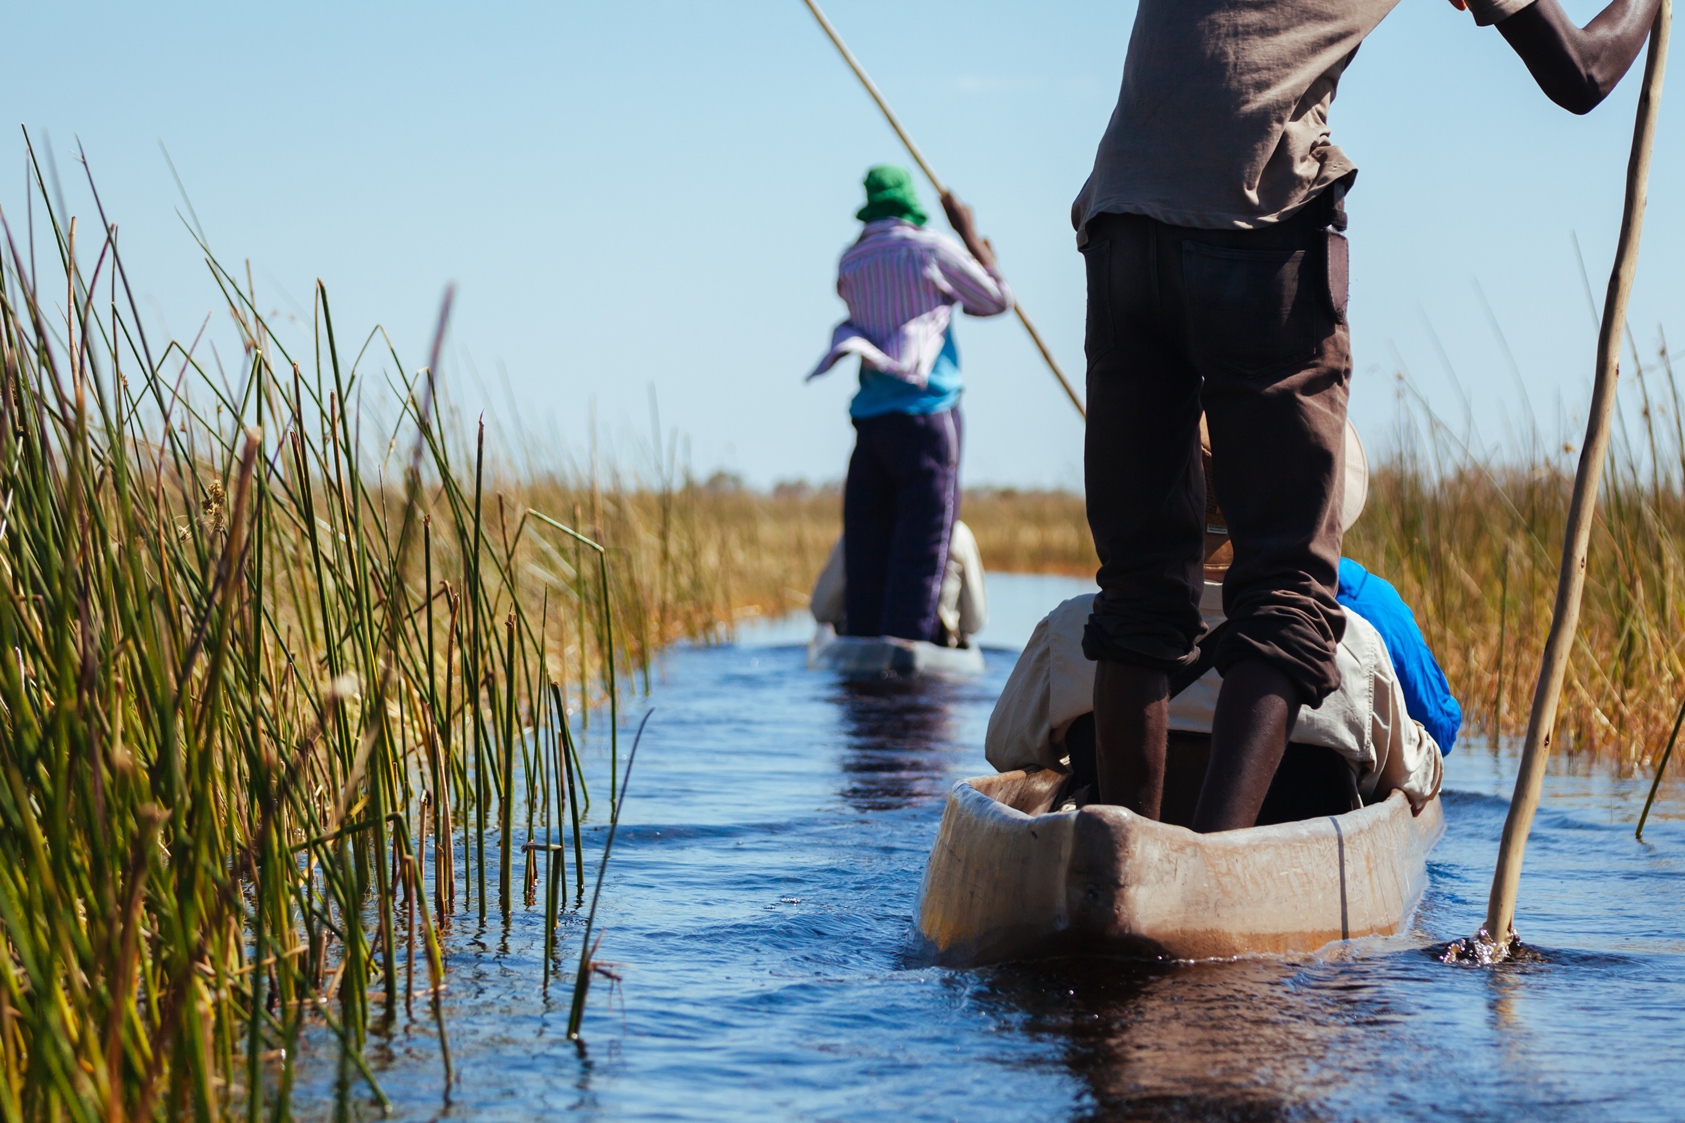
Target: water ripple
(758,910)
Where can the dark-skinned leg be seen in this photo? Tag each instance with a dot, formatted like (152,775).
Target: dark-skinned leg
(1255,711)
(1131,728)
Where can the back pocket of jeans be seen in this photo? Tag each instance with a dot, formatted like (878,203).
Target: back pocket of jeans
(1099,336)
(1249,311)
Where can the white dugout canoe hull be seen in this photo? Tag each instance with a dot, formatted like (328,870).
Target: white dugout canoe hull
(885,655)
(1004,884)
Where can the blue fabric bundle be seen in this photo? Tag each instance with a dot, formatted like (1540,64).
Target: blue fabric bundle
(1427,696)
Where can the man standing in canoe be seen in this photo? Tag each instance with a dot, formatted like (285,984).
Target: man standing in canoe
(1217,279)
(901,283)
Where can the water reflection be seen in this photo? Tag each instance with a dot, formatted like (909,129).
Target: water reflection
(898,738)
(1243,1040)
(1508,1026)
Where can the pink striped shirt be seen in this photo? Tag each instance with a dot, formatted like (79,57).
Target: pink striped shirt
(901,283)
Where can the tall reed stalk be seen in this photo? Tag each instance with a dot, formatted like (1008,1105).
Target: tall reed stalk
(255,652)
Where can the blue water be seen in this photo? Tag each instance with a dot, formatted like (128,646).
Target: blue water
(758,912)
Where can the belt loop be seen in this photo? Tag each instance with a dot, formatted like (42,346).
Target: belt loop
(1334,200)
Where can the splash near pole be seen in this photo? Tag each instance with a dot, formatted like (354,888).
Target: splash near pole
(936,182)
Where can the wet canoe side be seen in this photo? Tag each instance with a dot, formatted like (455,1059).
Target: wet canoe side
(879,655)
(1003,884)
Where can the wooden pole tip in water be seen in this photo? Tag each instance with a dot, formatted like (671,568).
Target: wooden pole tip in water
(1484,947)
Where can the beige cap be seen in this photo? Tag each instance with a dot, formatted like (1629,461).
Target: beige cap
(1357,479)
(1355,484)
(1355,493)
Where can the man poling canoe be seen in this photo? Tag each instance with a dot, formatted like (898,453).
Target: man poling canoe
(902,283)
(1028,863)
(1217,282)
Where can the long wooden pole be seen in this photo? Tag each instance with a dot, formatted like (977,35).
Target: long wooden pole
(941,189)
(1500,909)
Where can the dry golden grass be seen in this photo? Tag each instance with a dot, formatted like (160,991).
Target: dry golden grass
(695,557)
(1473,549)
(700,555)
(1030,531)
(1476,555)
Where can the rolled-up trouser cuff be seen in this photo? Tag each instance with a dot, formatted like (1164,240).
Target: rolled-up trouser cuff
(1098,644)
(1298,644)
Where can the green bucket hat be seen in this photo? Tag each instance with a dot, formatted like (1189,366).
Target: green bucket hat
(890,194)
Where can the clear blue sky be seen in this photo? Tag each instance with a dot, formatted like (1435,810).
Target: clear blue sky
(646,192)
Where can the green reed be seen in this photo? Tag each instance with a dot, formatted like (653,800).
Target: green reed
(254,657)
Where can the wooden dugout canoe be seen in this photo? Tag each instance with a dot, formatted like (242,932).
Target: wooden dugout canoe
(883,655)
(1009,879)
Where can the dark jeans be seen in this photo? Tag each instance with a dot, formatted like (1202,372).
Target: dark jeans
(1248,325)
(899,507)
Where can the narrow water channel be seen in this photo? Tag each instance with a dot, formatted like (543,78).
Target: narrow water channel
(758,912)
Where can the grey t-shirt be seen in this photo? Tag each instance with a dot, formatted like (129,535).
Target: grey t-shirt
(1222,122)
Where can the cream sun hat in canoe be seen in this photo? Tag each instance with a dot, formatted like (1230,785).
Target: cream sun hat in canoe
(1354,491)
(1357,479)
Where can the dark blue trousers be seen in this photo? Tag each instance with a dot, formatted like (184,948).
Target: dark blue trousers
(899,507)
